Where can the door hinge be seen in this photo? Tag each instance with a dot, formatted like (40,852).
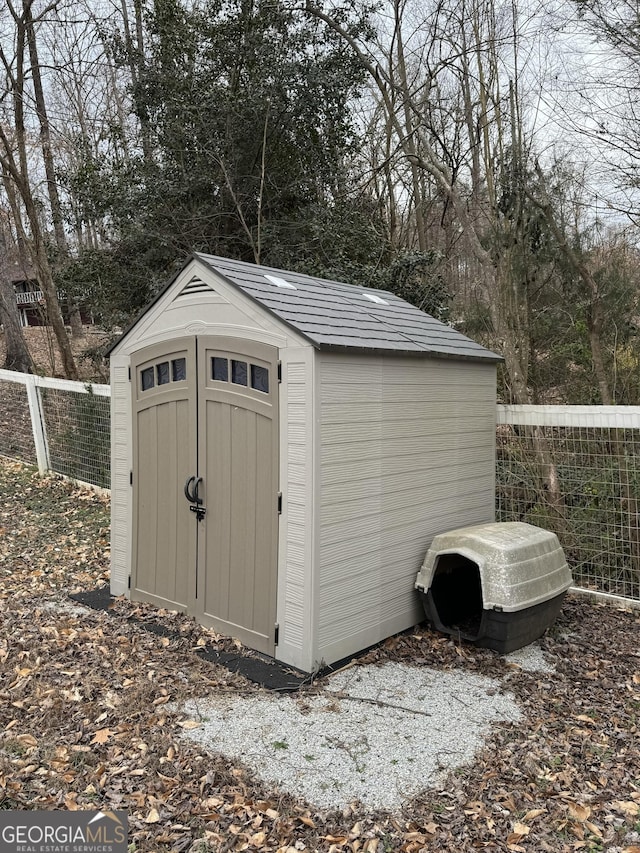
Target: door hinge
(276,634)
(129,370)
(131,478)
(279,371)
(129,582)
(279,503)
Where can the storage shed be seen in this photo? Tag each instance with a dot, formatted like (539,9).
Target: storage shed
(284,450)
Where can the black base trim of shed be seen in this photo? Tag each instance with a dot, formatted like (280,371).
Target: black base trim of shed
(500,631)
(260,669)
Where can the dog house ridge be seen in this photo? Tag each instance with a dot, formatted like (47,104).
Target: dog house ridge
(520,565)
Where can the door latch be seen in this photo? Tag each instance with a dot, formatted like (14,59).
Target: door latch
(191,494)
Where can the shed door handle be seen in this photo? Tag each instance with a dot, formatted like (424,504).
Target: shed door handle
(191,490)
(189,495)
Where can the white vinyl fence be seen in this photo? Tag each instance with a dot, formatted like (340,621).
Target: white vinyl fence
(571,469)
(576,470)
(57,425)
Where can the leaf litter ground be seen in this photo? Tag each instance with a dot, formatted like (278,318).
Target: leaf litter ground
(87,717)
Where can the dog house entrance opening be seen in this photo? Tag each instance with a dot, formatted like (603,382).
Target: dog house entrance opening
(456,592)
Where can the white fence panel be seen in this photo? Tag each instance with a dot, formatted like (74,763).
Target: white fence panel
(597,417)
(571,469)
(576,470)
(60,425)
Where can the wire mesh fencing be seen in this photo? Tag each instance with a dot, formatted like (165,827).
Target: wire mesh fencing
(59,425)
(571,469)
(16,434)
(78,434)
(576,471)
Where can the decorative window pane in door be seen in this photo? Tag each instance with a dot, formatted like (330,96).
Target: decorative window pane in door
(259,378)
(179,369)
(146,377)
(163,373)
(220,369)
(239,372)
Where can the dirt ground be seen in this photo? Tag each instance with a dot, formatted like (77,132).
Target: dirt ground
(86,717)
(44,351)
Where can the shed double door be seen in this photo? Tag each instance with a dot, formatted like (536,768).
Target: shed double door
(205,483)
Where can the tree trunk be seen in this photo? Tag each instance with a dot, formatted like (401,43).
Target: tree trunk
(49,165)
(17,356)
(45,135)
(595,323)
(42,267)
(410,141)
(18,173)
(135,59)
(75,320)
(52,305)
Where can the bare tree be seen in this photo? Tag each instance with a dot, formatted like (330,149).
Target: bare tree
(15,168)
(47,156)
(464,48)
(17,355)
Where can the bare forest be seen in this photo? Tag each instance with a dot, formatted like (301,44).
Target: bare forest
(479,158)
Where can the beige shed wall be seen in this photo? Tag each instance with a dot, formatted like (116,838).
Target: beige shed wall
(228,312)
(406,451)
(121,465)
(297,528)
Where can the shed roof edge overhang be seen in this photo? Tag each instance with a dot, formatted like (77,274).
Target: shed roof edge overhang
(407,353)
(149,305)
(197,258)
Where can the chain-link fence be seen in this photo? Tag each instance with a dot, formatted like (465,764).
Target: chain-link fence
(576,470)
(61,426)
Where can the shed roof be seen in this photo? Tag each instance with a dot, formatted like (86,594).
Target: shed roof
(334,315)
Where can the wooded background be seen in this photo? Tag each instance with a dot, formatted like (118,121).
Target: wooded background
(476,157)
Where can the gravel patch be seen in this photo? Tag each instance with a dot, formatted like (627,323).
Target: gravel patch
(531,658)
(377,734)
(66,607)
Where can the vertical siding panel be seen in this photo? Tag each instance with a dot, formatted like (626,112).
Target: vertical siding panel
(120,487)
(166,467)
(147,471)
(296,525)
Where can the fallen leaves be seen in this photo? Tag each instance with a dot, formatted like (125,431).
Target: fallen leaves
(578,811)
(87,717)
(627,807)
(26,740)
(532,814)
(520,831)
(188,724)
(102,736)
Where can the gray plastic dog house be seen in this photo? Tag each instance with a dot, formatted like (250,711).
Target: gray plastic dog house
(497,585)
(284,450)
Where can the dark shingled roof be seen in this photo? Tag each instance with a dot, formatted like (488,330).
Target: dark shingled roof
(333,315)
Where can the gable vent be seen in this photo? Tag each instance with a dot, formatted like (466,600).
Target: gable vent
(196,285)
